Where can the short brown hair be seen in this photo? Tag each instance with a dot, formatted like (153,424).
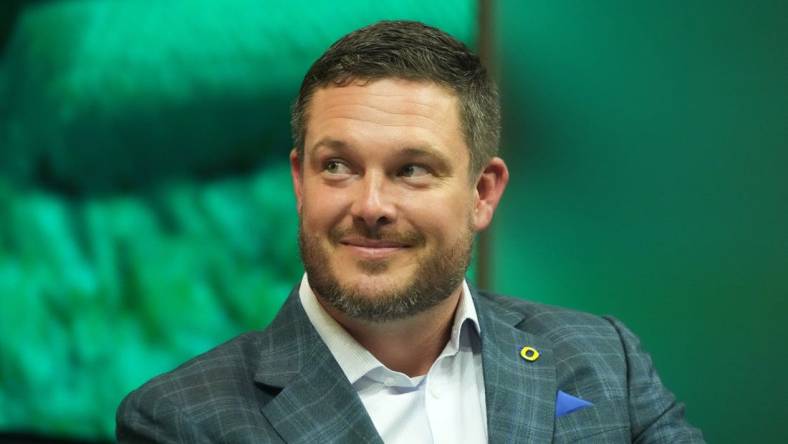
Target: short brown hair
(412,51)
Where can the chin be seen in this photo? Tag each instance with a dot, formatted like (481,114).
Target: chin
(374,284)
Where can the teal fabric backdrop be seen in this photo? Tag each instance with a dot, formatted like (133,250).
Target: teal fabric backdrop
(146,211)
(648,148)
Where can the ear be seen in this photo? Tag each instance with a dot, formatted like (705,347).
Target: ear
(489,189)
(295,173)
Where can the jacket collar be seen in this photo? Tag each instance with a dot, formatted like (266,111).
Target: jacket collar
(316,403)
(520,394)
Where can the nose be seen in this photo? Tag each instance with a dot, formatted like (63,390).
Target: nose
(373,205)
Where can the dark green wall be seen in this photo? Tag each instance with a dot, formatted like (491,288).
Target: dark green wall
(647,147)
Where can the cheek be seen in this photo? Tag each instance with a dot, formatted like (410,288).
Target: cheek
(443,216)
(321,208)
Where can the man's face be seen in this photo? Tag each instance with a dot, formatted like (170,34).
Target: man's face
(385,200)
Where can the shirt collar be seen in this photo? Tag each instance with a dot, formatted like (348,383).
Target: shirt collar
(356,361)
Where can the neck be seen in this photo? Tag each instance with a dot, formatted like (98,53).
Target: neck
(409,345)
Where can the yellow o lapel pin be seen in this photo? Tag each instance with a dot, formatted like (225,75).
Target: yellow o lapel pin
(529,353)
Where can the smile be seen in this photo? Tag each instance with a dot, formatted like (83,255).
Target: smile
(372,248)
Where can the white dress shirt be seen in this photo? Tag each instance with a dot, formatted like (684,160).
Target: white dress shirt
(444,406)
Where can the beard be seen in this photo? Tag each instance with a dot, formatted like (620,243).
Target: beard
(436,277)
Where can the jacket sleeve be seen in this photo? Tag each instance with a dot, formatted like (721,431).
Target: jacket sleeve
(655,415)
(142,418)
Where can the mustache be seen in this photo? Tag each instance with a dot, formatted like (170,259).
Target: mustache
(408,237)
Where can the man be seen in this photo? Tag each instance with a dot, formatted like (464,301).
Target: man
(395,169)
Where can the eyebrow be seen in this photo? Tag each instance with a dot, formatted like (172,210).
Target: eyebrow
(428,152)
(410,151)
(330,143)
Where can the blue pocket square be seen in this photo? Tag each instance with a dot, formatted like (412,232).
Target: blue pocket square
(566,404)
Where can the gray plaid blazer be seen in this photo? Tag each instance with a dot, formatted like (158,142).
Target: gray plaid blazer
(283,385)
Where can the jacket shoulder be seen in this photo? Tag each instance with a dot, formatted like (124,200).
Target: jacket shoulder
(234,358)
(181,405)
(598,358)
(558,324)
(229,369)
(587,349)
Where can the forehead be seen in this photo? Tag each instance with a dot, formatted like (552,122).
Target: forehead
(417,93)
(386,110)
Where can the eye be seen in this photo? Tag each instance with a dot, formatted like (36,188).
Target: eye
(337,167)
(413,170)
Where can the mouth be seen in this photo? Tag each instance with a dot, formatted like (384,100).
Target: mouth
(373,248)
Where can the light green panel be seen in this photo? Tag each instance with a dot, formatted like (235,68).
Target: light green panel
(99,295)
(145,204)
(134,92)
(647,147)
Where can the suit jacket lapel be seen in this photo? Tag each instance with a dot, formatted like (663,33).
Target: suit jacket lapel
(520,395)
(316,402)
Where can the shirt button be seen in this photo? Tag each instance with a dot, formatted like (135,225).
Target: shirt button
(388,382)
(435,392)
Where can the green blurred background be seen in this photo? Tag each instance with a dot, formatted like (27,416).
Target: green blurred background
(146,212)
(648,148)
